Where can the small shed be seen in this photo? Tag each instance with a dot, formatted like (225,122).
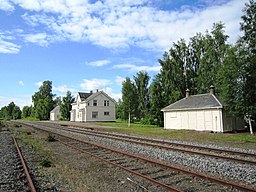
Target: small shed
(55,114)
(203,112)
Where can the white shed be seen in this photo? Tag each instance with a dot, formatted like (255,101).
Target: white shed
(55,114)
(202,112)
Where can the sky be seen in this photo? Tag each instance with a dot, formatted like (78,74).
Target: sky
(84,45)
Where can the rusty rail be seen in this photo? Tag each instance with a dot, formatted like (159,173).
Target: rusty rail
(25,168)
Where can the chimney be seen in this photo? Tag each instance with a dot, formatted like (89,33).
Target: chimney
(212,89)
(97,90)
(187,93)
(90,91)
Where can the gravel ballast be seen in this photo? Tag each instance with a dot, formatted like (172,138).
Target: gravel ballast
(12,177)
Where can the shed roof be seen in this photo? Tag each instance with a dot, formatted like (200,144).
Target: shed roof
(202,101)
(56,109)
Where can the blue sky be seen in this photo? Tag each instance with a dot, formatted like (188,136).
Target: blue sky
(83,45)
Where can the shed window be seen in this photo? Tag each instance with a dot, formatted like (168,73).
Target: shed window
(94,102)
(106,102)
(95,114)
(106,113)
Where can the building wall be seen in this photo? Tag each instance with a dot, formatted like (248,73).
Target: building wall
(101,109)
(54,116)
(201,120)
(83,111)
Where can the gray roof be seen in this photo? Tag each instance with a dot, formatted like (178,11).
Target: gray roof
(56,109)
(84,96)
(202,101)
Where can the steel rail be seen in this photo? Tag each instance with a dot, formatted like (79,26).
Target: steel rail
(25,168)
(173,143)
(158,145)
(160,164)
(156,140)
(121,138)
(122,167)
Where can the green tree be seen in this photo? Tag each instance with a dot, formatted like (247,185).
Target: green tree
(65,106)
(11,111)
(142,92)
(215,49)
(247,63)
(156,100)
(119,109)
(130,102)
(16,113)
(26,111)
(43,101)
(58,101)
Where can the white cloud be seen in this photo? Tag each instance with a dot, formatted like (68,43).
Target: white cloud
(21,83)
(119,80)
(131,67)
(98,63)
(39,84)
(94,84)
(6,5)
(111,93)
(21,101)
(39,38)
(119,24)
(8,47)
(63,89)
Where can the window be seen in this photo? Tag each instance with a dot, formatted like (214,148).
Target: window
(106,113)
(94,102)
(88,103)
(106,102)
(95,114)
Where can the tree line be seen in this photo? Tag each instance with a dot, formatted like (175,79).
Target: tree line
(43,102)
(205,60)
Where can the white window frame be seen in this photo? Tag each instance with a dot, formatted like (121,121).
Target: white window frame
(106,103)
(95,103)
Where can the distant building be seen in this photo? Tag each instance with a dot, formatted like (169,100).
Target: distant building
(55,114)
(93,107)
(202,112)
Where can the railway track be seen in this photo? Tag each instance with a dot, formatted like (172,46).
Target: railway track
(229,155)
(25,168)
(14,174)
(162,174)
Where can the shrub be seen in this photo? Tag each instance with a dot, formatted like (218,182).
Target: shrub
(45,163)
(50,138)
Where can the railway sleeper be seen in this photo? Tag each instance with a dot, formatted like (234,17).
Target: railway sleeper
(150,172)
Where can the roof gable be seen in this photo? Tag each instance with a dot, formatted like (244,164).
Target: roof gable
(202,101)
(98,93)
(84,96)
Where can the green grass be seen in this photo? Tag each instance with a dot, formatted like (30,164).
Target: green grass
(30,119)
(180,135)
